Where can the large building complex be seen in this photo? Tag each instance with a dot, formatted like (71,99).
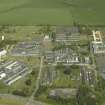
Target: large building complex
(12,71)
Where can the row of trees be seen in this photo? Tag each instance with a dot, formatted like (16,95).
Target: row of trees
(88,96)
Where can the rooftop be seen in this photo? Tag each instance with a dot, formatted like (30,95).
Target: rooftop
(13,71)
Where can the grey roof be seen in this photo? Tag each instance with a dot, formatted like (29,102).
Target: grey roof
(26,49)
(67,34)
(66,29)
(13,70)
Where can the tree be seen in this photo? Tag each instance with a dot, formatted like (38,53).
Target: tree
(53,36)
(33,72)
(74,67)
(19,92)
(28,82)
(67,70)
(86,96)
(45,29)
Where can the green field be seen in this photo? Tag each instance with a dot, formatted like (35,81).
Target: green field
(89,12)
(33,12)
(53,12)
(6,101)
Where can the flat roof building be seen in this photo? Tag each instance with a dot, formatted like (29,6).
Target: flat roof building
(2,52)
(98,45)
(67,34)
(64,55)
(65,93)
(11,71)
(26,49)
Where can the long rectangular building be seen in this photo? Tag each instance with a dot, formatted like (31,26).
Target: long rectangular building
(12,71)
(26,49)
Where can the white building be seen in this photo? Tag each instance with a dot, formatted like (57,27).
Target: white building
(12,71)
(98,45)
(2,38)
(97,37)
(2,53)
(2,75)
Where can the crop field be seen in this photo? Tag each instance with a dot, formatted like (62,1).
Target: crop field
(33,12)
(53,12)
(89,12)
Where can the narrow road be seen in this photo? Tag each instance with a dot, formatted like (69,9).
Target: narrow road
(30,100)
(37,83)
(94,65)
(39,76)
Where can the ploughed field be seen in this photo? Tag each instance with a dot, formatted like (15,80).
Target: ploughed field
(53,12)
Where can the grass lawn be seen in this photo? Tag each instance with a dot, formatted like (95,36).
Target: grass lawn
(21,33)
(67,81)
(20,85)
(10,100)
(7,101)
